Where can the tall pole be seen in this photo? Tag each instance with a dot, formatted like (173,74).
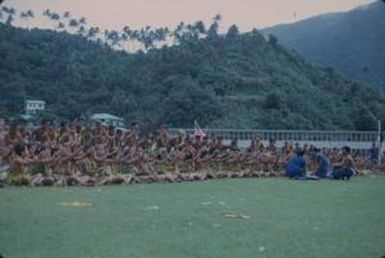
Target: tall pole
(379,142)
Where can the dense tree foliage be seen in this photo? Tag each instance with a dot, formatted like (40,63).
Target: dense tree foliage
(233,80)
(351,42)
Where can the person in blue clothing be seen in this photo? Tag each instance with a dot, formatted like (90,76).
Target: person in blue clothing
(322,162)
(296,168)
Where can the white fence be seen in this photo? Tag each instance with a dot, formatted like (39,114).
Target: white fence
(357,140)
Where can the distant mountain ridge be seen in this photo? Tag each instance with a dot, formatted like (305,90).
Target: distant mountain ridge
(224,81)
(352,42)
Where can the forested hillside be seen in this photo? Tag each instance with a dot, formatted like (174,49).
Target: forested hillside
(351,42)
(231,81)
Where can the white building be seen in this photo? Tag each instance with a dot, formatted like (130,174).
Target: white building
(34,106)
(108,119)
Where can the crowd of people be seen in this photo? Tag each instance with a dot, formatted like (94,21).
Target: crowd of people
(76,154)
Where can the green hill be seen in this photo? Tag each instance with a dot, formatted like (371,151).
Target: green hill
(351,42)
(232,81)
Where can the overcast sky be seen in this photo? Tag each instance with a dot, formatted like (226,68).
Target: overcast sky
(247,14)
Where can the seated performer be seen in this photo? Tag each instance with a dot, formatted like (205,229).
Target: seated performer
(322,164)
(345,169)
(297,166)
(20,165)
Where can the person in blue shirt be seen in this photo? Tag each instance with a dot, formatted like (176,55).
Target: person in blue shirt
(323,164)
(296,168)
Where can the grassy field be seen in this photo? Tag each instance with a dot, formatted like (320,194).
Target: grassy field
(287,219)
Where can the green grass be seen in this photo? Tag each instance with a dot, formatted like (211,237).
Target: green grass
(288,219)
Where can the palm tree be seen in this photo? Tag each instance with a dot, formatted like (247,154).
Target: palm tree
(47,12)
(81,30)
(200,28)
(217,18)
(11,12)
(61,26)
(26,15)
(82,20)
(177,33)
(92,32)
(55,16)
(23,15)
(124,39)
(30,14)
(8,10)
(147,37)
(112,38)
(52,16)
(213,30)
(127,30)
(161,34)
(73,23)
(9,19)
(126,35)
(134,37)
(66,16)
(232,32)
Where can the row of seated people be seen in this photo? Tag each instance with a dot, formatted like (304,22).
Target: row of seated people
(74,154)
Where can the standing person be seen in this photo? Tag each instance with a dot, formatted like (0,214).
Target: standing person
(297,166)
(373,154)
(344,169)
(322,164)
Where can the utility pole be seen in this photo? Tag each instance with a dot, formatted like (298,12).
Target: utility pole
(379,142)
